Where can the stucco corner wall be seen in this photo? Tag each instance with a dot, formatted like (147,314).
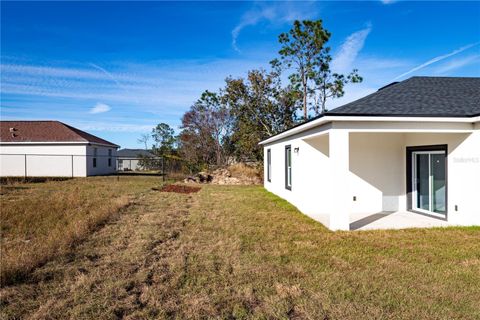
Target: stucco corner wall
(309,192)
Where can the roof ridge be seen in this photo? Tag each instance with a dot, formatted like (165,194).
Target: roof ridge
(72,130)
(441,77)
(79,133)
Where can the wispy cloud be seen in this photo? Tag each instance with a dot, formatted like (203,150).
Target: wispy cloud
(376,71)
(457,64)
(149,92)
(343,60)
(437,59)
(272,12)
(159,87)
(388,1)
(117,127)
(108,74)
(100,108)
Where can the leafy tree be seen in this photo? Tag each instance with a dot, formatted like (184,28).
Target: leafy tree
(328,84)
(248,110)
(303,50)
(164,137)
(205,130)
(261,108)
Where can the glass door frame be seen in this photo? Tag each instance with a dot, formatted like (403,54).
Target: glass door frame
(411,179)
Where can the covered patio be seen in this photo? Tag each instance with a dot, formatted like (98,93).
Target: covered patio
(371,180)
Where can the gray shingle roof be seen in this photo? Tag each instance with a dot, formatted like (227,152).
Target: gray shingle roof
(134,153)
(419,96)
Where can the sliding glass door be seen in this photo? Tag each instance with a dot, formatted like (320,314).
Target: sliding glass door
(429,182)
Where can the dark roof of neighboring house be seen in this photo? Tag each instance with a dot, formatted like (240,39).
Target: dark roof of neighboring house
(134,153)
(46,131)
(419,97)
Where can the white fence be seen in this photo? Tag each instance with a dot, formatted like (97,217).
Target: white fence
(76,165)
(55,165)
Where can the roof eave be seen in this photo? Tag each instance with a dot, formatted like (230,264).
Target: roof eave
(344,117)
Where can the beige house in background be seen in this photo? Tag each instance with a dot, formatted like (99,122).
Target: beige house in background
(53,148)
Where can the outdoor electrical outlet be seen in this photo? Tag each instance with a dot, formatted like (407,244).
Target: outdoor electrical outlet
(456,207)
(354,198)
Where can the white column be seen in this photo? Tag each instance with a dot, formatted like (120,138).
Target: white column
(339,152)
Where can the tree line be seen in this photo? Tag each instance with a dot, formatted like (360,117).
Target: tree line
(228,124)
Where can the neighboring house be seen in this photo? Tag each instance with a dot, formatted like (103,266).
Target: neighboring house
(129,159)
(52,148)
(411,148)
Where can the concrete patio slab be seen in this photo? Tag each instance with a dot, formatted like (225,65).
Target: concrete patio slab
(394,220)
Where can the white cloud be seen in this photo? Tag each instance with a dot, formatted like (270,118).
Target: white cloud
(272,12)
(343,60)
(457,64)
(437,59)
(388,1)
(100,108)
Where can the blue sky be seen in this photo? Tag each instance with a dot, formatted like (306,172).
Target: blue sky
(116,69)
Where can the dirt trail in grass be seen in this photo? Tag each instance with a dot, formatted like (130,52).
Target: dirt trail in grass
(238,252)
(110,275)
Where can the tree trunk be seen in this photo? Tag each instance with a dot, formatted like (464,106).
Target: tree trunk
(305,109)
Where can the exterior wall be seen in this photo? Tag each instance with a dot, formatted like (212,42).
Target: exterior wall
(43,160)
(102,166)
(310,190)
(463,173)
(128,164)
(376,170)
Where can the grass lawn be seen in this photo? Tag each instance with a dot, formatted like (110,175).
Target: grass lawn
(240,252)
(42,220)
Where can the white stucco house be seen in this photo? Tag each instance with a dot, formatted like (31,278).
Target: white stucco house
(52,148)
(408,154)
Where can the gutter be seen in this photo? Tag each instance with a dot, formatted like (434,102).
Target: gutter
(58,143)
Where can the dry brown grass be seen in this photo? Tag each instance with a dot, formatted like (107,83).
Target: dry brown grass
(42,220)
(239,252)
